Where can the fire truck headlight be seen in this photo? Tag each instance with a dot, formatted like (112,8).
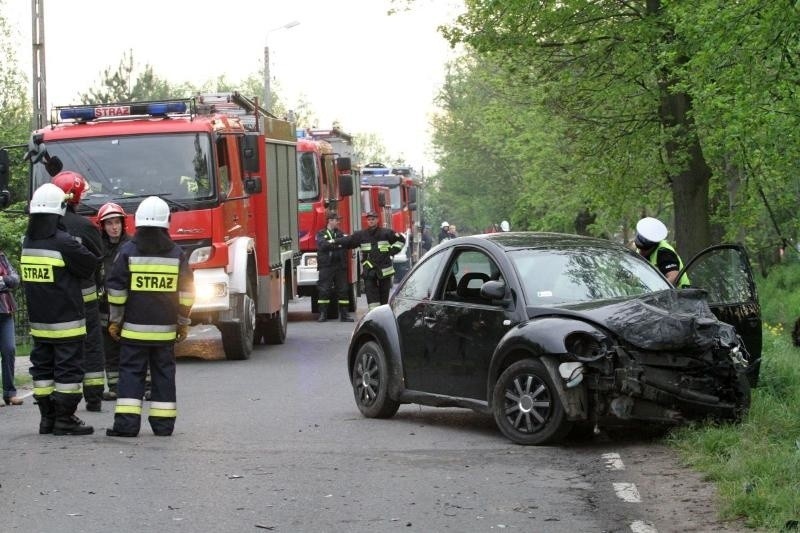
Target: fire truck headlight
(201,255)
(208,291)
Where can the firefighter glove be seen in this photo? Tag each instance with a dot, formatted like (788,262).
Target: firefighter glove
(181,332)
(113,330)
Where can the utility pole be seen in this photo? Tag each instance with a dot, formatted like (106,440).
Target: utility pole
(267,91)
(39,78)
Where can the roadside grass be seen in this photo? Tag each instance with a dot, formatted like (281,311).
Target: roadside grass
(756,464)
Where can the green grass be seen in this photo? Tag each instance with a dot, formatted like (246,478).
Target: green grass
(756,464)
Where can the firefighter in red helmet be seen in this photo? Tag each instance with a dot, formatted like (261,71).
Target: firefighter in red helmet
(74,185)
(111,218)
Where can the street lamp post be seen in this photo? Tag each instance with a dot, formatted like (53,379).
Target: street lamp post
(267,93)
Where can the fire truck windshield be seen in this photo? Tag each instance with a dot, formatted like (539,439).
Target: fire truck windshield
(174,165)
(307,177)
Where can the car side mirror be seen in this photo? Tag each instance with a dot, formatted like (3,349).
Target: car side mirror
(496,292)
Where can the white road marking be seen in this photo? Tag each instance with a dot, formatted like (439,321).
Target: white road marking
(643,527)
(627,492)
(613,461)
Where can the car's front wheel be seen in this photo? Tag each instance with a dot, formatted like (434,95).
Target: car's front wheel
(370,375)
(526,405)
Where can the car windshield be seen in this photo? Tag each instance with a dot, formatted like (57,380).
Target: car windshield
(559,276)
(174,165)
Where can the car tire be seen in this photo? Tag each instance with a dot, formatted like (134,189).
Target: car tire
(526,405)
(370,378)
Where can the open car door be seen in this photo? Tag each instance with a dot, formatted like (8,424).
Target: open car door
(724,272)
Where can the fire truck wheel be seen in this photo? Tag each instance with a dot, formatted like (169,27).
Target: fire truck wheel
(274,328)
(237,336)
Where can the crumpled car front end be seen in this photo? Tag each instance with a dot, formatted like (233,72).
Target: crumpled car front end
(667,361)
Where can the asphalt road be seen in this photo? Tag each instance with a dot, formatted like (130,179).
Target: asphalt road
(276,443)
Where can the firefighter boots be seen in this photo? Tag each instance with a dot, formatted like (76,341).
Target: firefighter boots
(66,421)
(323,313)
(343,316)
(47,411)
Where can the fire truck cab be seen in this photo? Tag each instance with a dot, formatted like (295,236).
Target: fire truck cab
(228,171)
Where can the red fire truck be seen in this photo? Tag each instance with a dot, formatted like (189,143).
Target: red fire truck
(325,184)
(375,198)
(404,187)
(228,172)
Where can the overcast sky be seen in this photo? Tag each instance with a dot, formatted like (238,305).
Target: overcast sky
(351,61)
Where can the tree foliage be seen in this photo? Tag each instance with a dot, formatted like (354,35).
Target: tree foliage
(624,108)
(128,83)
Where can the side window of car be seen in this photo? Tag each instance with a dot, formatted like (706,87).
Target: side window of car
(421,284)
(468,271)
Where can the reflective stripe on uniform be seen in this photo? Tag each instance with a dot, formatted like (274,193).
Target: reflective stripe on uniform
(383,246)
(117,297)
(112,377)
(89,294)
(398,245)
(93,378)
(386,272)
(69,388)
(344,302)
(36,265)
(185,298)
(164,409)
(366,246)
(154,274)
(367,264)
(43,387)
(148,332)
(128,406)
(60,330)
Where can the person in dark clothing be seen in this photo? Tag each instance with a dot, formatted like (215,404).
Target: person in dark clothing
(9,280)
(53,263)
(377,246)
(150,295)
(426,241)
(444,232)
(332,268)
(651,244)
(111,218)
(79,226)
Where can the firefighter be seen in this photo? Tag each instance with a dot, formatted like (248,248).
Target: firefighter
(111,218)
(332,267)
(150,296)
(74,185)
(444,232)
(377,246)
(53,263)
(651,244)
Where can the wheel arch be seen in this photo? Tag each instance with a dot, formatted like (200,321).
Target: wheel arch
(240,256)
(379,326)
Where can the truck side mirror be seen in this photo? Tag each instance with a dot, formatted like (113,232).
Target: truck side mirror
(249,154)
(343,165)
(412,195)
(381,199)
(346,185)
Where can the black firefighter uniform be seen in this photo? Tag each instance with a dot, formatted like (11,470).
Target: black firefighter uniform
(149,295)
(377,246)
(52,267)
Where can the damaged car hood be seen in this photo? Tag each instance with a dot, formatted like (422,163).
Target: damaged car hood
(670,320)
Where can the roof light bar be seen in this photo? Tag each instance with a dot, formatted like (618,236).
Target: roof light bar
(92,112)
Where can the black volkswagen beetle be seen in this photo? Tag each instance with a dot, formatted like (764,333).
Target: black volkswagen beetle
(549,333)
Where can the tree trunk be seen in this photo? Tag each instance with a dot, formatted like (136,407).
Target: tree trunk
(688,172)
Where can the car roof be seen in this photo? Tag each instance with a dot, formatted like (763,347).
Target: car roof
(517,240)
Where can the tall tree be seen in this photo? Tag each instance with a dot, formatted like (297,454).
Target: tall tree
(612,69)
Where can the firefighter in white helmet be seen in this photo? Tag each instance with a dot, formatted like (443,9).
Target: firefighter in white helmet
(651,243)
(53,263)
(150,295)
(444,232)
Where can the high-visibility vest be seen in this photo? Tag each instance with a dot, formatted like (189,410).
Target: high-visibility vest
(683,281)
